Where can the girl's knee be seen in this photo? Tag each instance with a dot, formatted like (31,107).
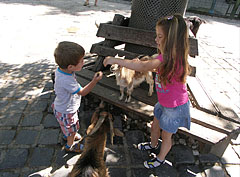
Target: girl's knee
(166,135)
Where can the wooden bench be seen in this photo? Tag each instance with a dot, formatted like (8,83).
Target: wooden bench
(212,131)
(208,125)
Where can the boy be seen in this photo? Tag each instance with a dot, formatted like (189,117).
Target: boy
(69,58)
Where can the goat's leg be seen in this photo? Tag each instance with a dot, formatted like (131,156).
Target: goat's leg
(121,92)
(150,81)
(129,93)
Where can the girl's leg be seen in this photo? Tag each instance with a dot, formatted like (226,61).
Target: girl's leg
(155,132)
(166,145)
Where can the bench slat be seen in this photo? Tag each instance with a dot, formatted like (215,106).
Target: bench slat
(203,134)
(137,36)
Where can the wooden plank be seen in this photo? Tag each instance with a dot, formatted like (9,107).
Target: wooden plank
(137,36)
(203,134)
(106,51)
(214,122)
(202,100)
(127,34)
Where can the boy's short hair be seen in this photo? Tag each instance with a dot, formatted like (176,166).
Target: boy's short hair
(68,53)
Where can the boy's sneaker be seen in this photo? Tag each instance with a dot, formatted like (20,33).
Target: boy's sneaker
(146,146)
(78,148)
(77,137)
(153,163)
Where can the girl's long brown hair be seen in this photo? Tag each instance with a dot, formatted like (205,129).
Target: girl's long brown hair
(174,49)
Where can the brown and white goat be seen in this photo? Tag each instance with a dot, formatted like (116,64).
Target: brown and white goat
(130,78)
(91,162)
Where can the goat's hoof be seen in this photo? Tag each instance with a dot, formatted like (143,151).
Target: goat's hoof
(127,100)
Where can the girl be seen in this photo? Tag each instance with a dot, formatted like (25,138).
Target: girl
(171,67)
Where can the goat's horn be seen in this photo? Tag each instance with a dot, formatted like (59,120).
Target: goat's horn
(98,124)
(111,127)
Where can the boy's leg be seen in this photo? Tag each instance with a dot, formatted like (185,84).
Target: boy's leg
(70,139)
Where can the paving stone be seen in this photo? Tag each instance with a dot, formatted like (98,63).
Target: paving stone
(50,121)
(115,156)
(32,119)
(134,137)
(49,136)
(17,106)
(3,104)
(165,170)
(215,171)
(137,156)
(181,155)
(27,137)
(41,157)
(60,158)
(117,172)
(141,172)
(6,136)
(188,170)
(230,156)
(39,105)
(8,174)
(233,170)
(208,158)
(13,158)
(10,119)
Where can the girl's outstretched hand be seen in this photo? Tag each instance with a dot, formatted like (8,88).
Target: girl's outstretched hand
(107,61)
(98,76)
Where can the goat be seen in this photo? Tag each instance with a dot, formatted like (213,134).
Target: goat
(91,162)
(194,22)
(130,78)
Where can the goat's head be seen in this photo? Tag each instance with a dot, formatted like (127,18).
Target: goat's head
(103,121)
(114,68)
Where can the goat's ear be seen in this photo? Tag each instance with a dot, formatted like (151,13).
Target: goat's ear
(94,117)
(118,132)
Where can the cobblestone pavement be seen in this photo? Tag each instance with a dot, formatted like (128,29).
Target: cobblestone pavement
(30,138)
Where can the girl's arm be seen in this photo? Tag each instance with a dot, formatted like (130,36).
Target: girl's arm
(85,90)
(137,65)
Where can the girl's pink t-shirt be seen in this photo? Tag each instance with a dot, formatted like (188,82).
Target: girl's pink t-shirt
(173,94)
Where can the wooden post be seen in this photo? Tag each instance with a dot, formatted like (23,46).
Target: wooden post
(118,20)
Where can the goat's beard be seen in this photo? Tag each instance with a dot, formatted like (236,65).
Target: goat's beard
(90,172)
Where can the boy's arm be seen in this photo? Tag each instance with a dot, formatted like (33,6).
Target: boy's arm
(136,65)
(85,90)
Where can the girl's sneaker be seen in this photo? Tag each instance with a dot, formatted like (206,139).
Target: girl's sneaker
(77,137)
(146,146)
(153,163)
(78,148)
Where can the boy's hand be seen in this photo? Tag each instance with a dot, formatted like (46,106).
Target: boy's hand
(98,76)
(107,61)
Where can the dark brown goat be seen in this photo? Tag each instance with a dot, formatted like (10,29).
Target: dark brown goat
(91,162)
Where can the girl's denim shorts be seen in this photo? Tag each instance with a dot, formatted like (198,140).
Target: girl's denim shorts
(170,119)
